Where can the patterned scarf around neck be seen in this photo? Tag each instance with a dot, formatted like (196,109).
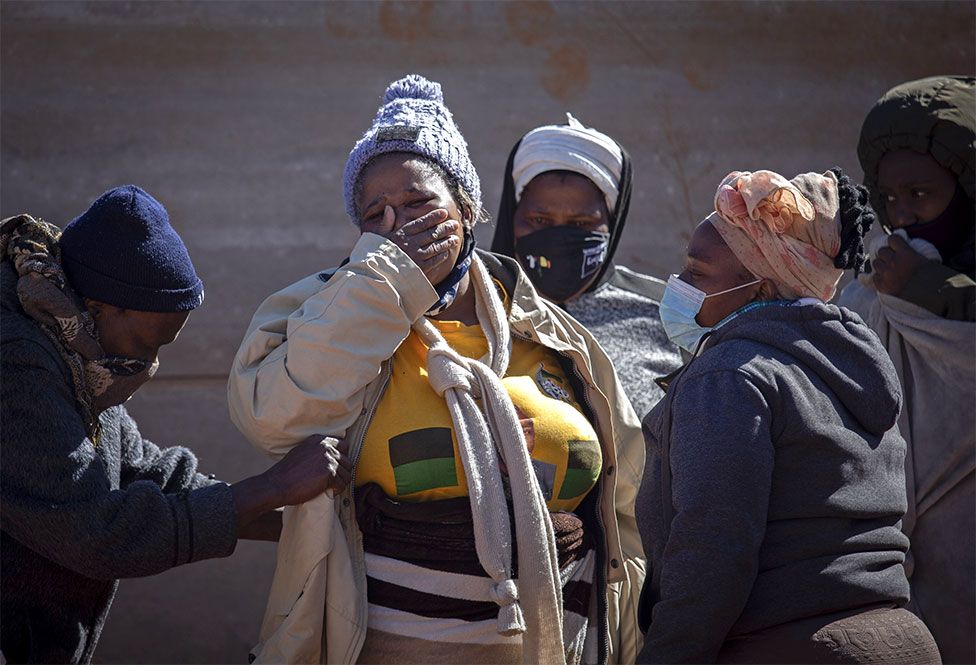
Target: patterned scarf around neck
(100,381)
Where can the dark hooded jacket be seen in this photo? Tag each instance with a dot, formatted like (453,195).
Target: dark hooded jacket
(76,515)
(936,116)
(620,308)
(787,484)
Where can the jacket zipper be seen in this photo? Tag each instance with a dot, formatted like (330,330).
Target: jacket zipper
(602,615)
(601,570)
(366,417)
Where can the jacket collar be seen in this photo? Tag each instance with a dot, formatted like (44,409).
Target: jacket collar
(529,314)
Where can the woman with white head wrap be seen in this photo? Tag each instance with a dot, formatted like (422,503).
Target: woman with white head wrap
(564,205)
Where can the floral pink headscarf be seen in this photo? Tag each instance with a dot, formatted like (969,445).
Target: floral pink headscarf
(787,231)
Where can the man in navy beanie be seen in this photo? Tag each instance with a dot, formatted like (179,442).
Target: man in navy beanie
(84,499)
(123,250)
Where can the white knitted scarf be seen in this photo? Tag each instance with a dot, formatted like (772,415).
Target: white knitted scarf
(533,607)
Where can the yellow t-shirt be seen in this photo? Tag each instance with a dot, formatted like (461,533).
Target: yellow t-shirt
(410,449)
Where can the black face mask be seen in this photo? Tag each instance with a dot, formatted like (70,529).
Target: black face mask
(948,231)
(562,259)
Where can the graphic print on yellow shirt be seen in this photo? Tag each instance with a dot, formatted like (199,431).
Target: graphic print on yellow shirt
(410,449)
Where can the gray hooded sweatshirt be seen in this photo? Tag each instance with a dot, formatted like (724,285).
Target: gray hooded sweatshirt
(787,482)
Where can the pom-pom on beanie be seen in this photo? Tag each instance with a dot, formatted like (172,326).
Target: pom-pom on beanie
(123,251)
(413,119)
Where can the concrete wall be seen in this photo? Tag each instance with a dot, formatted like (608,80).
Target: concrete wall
(238,116)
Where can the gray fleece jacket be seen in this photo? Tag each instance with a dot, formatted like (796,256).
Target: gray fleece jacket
(623,315)
(75,516)
(787,483)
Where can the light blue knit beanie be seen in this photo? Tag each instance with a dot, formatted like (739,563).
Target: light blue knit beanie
(413,118)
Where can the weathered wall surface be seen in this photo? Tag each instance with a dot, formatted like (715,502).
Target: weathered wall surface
(238,116)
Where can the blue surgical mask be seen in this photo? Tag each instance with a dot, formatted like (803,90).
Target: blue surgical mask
(679,307)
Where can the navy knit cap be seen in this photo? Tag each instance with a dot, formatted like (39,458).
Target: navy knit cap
(413,119)
(123,251)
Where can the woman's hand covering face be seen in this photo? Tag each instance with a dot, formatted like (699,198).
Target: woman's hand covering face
(405,200)
(427,240)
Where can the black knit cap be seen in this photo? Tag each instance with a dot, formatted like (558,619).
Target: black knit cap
(123,251)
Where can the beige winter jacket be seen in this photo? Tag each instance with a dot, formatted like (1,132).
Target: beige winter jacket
(316,359)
